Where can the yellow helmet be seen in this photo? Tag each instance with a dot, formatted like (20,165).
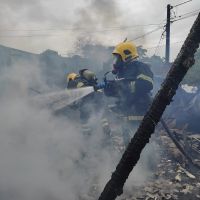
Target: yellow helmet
(71,76)
(127,50)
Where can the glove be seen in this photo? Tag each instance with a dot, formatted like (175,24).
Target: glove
(100,86)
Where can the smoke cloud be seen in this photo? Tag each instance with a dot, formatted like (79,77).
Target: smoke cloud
(44,156)
(39,25)
(98,13)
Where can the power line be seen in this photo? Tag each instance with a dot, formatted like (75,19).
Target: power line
(59,35)
(161,37)
(181,3)
(194,11)
(147,48)
(82,29)
(160,26)
(186,15)
(89,32)
(148,33)
(27,36)
(181,18)
(153,47)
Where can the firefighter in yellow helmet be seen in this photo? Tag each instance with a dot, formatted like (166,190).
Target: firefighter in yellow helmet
(124,53)
(132,86)
(71,80)
(136,78)
(83,79)
(90,104)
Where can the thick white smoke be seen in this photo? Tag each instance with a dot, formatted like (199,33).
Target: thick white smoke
(43,156)
(34,144)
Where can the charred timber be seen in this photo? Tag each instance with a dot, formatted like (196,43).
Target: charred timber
(181,65)
(178,145)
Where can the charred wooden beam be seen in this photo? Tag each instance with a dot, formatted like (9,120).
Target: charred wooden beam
(178,145)
(181,65)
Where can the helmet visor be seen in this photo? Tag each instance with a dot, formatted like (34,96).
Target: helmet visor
(117,61)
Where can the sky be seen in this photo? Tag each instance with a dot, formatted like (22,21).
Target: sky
(37,25)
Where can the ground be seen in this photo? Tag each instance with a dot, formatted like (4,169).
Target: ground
(173,178)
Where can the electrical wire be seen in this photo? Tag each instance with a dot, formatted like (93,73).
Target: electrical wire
(84,32)
(191,12)
(153,47)
(186,15)
(181,3)
(148,33)
(181,17)
(161,37)
(81,29)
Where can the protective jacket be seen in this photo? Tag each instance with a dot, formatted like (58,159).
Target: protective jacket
(132,87)
(89,105)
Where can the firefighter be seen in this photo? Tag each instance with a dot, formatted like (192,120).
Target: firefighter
(83,79)
(71,80)
(132,86)
(89,104)
(136,78)
(86,78)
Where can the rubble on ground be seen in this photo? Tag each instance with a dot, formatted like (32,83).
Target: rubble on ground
(174,177)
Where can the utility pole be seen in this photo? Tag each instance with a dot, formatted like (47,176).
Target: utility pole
(167,47)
